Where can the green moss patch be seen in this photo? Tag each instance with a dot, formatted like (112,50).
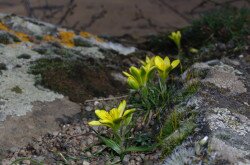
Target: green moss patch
(173,140)
(80,80)
(17,90)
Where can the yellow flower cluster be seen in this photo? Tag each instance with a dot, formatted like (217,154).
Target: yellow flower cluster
(138,77)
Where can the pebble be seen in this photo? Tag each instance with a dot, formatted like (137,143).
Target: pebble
(85,163)
(126,159)
(88,108)
(88,154)
(55,133)
(26,162)
(22,153)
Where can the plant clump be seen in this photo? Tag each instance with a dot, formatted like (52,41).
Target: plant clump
(150,98)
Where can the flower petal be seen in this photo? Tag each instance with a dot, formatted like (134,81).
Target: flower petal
(175,63)
(95,123)
(167,61)
(159,63)
(133,83)
(136,73)
(128,112)
(102,114)
(114,113)
(127,74)
(121,107)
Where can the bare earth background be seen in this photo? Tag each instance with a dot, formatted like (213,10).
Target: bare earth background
(116,17)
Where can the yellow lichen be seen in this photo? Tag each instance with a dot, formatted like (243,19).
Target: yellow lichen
(98,39)
(3,27)
(88,35)
(50,38)
(66,38)
(22,36)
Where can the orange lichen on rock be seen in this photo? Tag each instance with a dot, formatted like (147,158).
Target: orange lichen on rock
(88,35)
(50,38)
(4,27)
(66,38)
(22,36)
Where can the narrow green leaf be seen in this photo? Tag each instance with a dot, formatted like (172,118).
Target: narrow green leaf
(111,144)
(140,148)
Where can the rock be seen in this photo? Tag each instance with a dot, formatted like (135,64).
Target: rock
(22,153)
(126,159)
(85,163)
(88,108)
(13,149)
(223,116)
(26,162)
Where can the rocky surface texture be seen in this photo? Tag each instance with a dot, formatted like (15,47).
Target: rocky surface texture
(88,68)
(48,74)
(222,105)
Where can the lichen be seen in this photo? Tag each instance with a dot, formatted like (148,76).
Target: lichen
(17,90)
(22,36)
(222,118)
(50,38)
(66,38)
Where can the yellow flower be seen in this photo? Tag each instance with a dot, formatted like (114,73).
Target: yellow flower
(148,61)
(114,117)
(139,77)
(135,78)
(176,37)
(164,66)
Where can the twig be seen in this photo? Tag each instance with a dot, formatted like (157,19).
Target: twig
(64,159)
(71,7)
(105,99)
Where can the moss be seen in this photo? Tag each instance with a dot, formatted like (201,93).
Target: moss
(3,66)
(171,124)
(176,138)
(78,41)
(80,80)
(186,92)
(24,56)
(17,90)
(65,52)
(40,50)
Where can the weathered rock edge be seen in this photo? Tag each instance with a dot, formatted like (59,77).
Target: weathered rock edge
(223,109)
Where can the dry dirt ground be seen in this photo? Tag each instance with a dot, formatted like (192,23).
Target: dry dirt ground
(116,17)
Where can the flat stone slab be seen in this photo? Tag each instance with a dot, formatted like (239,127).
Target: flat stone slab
(45,117)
